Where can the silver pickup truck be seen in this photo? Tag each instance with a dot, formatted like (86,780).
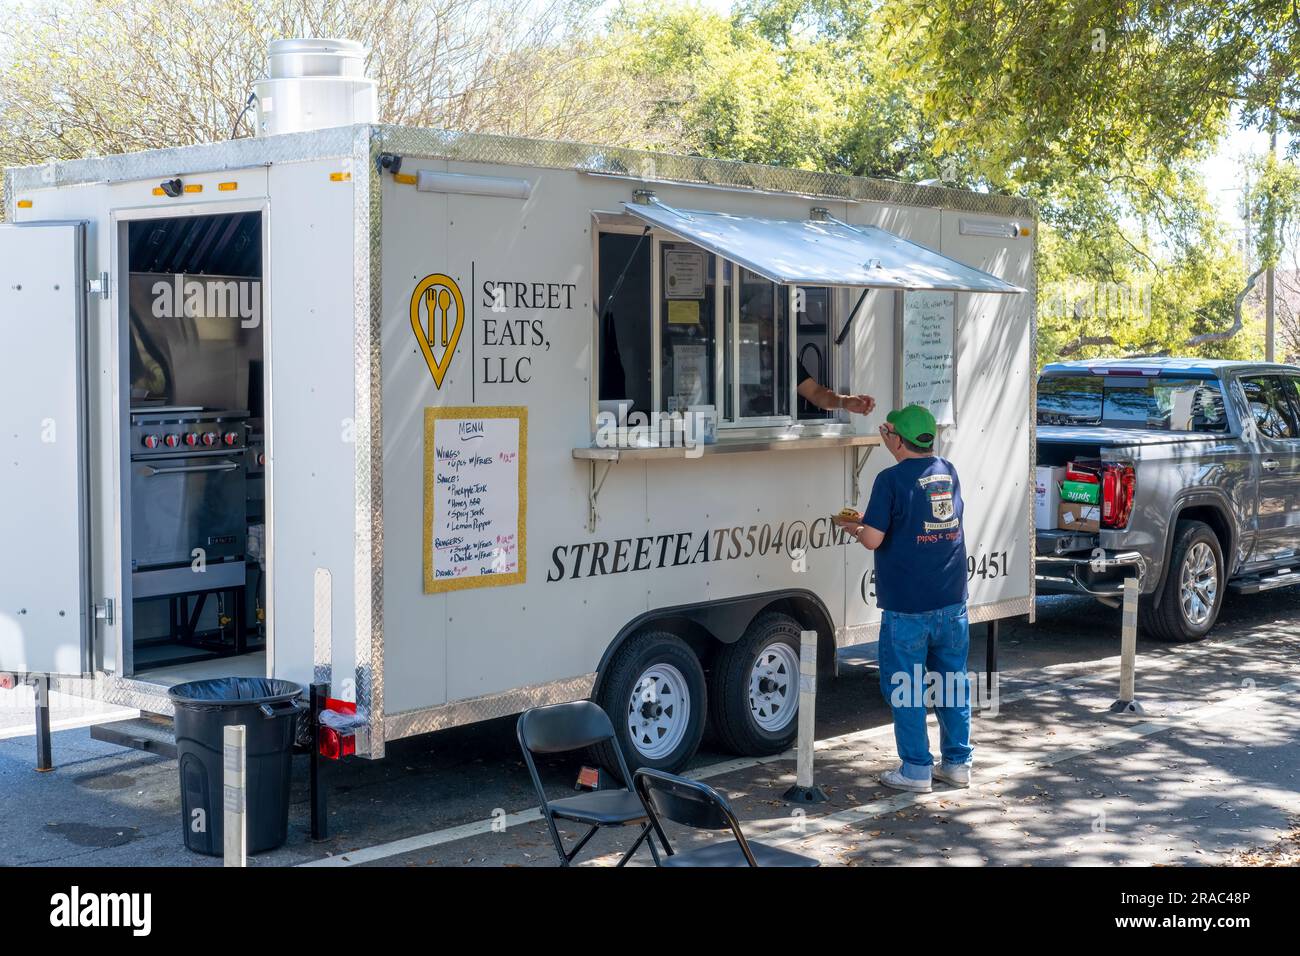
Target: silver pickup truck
(1196,467)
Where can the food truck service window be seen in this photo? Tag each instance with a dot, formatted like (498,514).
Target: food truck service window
(624,326)
(705,308)
(724,335)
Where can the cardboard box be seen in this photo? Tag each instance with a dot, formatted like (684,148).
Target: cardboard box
(1081,491)
(1047,496)
(1079,517)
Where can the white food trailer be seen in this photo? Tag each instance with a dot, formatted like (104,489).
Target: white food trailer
(363,405)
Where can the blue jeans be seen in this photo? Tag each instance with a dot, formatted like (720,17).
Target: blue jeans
(912,646)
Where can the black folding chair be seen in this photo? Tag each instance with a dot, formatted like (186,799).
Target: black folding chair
(560,728)
(699,806)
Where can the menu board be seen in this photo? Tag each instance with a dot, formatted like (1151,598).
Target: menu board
(928,353)
(475,496)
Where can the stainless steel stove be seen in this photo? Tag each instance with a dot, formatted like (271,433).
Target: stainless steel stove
(188,473)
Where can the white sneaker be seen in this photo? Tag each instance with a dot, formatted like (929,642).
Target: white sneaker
(953,774)
(895,780)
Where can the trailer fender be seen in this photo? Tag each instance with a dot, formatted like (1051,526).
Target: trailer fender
(709,623)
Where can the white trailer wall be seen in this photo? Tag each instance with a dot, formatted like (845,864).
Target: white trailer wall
(463,644)
(990,442)
(311,452)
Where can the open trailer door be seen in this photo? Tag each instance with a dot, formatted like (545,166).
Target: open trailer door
(45,615)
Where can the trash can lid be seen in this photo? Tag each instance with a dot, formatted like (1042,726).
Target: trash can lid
(234,691)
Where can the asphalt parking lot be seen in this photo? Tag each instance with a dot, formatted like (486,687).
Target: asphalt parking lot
(1210,774)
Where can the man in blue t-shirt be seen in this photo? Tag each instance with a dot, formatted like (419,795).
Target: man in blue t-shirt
(913,523)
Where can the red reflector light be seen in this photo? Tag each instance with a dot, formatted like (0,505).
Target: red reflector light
(1117,486)
(333,745)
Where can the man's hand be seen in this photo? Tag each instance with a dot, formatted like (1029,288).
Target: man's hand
(859,404)
(848,521)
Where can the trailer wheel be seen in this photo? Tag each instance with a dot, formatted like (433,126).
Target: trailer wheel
(1193,590)
(654,693)
(755,687)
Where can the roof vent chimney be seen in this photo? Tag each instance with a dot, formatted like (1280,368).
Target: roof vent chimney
(314,84)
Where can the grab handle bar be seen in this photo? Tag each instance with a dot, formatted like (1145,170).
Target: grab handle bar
(221,466)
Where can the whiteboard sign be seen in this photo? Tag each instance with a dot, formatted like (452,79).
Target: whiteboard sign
(928,350)
(475,497)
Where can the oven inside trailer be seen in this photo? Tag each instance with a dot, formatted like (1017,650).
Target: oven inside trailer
(194,425)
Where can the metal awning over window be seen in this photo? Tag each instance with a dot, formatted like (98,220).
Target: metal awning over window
(820,252)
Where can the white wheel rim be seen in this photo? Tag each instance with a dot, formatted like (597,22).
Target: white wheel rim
(774,686)
(1199,584)
(658,711)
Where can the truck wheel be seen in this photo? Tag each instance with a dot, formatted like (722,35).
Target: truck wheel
(653,691)
(1193,590)
(754,692)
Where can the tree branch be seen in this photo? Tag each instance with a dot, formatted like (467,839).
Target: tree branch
(1236,314)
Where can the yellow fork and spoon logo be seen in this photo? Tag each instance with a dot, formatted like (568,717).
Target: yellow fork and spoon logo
(435,324)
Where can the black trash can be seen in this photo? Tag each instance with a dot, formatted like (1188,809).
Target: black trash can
(269,710)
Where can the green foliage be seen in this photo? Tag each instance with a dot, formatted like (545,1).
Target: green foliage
(1273,201)
(1097,109)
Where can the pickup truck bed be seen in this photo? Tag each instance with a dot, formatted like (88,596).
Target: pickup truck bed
(1215,477)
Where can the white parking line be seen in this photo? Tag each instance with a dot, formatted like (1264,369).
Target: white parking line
(451,834)
(70,723)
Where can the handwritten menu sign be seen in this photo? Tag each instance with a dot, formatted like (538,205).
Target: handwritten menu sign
(929,343)
(475,496)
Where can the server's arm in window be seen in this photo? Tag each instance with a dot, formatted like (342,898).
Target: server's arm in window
(813,391)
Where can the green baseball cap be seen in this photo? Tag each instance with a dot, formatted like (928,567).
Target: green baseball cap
(914,423)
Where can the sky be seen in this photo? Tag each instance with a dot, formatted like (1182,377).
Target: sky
(1223,173)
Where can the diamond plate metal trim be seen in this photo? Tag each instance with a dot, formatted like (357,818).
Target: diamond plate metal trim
(118,691)
(183,160)
(978,614)
(513,151)
(369,557)
(412,722)
(642,164)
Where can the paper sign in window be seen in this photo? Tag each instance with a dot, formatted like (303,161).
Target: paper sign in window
(683,312)
(684,274)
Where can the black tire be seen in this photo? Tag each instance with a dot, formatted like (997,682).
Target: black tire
(1170,621)
(732,707)
(621,678)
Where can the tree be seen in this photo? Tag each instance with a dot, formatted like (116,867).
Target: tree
(1132,255)
(87,77)
(1032,90)
(1037,95)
